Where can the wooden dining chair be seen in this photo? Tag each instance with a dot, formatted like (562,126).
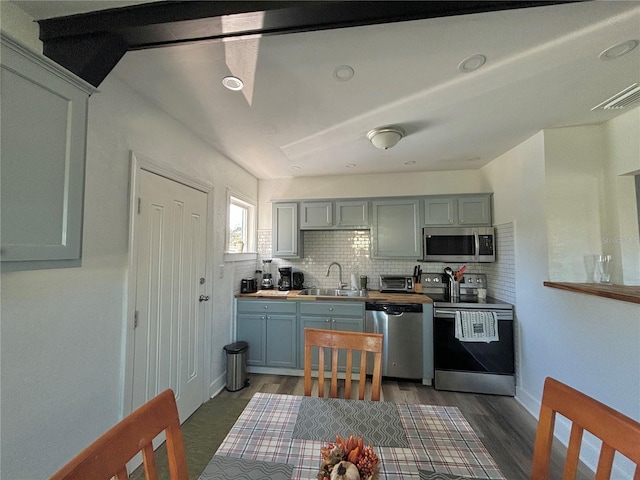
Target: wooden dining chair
(338,340)
(617,431)
(108,456)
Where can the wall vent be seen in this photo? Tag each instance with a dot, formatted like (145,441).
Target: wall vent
(623,99)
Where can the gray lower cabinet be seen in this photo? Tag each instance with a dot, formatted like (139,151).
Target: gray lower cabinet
(269,327)
(345,316)
(396,229)
(253,330)
(44,125)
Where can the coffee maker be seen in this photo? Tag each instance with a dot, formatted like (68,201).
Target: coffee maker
(284,283)
(267,280)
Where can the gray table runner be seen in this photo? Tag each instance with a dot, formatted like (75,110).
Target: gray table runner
(377,422)
(232,468)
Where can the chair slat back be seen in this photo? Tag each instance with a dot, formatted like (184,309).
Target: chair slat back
(108,456)
(348,341)
(617,432)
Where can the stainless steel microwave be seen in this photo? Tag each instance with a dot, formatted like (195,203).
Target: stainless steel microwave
(458,244)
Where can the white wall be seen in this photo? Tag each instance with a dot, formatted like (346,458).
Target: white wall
(589,342)
(20,26)
(62,329)
(590,191)
(621,236)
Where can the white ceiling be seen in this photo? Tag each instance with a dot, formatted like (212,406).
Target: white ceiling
(542,71)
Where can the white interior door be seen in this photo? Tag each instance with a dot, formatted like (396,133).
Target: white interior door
(169,332)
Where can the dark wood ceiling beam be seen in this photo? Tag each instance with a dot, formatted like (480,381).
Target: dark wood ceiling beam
(91,44)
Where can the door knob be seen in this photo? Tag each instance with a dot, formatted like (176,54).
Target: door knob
(204,298)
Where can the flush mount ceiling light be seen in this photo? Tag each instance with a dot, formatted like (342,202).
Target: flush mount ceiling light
(618,50)
(472,63)
(385,137)
(232,83)
(343,73)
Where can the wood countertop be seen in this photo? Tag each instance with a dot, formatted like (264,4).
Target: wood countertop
(372,296)
(616,292)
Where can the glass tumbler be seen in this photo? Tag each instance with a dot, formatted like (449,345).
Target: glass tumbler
(601,270)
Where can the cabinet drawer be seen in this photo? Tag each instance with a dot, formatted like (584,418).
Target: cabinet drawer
(332,308)
(266,306)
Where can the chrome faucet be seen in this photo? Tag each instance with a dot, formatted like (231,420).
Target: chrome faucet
(341,284)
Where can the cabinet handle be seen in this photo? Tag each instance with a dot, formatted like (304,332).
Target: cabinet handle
(333,320)
(266,306)
(328,320)
(331,309)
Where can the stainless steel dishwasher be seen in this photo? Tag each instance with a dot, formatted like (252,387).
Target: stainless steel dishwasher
(401,325)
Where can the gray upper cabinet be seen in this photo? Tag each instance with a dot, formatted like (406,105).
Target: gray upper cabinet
(349,214)
(352,214)
(439,211)
(316,215)
(474,210)
(396,229)
(286,233)
(458,210)
(44,124)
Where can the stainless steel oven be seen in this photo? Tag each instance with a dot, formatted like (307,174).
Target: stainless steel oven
(479,367)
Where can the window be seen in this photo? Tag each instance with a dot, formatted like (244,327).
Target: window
(241,226)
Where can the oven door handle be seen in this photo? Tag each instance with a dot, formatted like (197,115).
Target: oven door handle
(444,313)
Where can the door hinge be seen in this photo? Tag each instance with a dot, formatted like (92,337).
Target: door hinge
(139,204)
(135,319)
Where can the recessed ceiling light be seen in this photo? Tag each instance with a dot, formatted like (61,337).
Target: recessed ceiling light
(232,83)
(295,167)
(618,50)
(409,162)
(472,63)
(343,73)
(350,165)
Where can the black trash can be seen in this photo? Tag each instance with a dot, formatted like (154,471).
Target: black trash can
(237,366)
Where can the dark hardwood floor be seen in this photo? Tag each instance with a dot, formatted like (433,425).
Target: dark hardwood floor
(504,426)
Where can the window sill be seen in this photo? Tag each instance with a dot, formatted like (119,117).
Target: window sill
(240,257)
(624,293)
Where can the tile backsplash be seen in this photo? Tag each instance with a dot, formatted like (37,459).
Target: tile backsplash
(351,249)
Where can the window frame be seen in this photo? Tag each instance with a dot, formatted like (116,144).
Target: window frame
(251,234)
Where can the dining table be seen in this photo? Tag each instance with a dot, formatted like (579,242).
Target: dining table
(280,437)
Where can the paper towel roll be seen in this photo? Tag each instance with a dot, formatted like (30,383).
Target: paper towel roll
(354,282)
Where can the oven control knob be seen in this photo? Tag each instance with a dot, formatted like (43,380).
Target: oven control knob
(470,280)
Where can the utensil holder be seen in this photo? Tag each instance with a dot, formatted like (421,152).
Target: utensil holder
(454,288)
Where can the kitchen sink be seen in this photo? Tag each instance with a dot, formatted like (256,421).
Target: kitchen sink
(332,292)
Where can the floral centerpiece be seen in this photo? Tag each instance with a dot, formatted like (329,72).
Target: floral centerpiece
(348,460)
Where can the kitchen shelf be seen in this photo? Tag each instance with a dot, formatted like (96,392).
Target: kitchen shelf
(623,293)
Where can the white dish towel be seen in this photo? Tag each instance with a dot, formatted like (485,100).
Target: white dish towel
(476,326)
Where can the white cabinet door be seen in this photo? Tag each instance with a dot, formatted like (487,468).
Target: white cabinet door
(44,121)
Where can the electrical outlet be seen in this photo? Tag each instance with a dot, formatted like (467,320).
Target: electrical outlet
(221,271)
